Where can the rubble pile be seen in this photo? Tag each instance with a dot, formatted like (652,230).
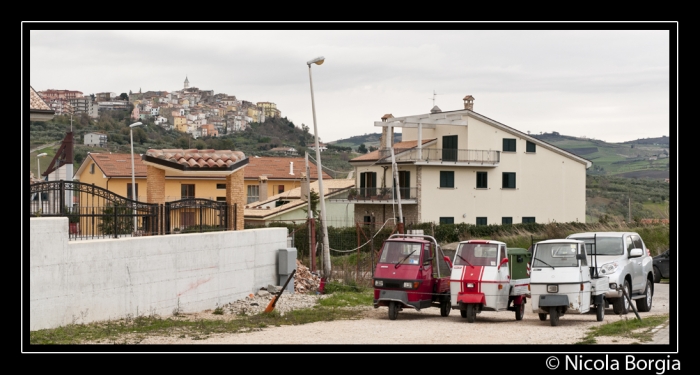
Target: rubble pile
(304,296)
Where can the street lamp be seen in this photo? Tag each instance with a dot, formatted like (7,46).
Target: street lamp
(133,177)
(38,175)
(319,170)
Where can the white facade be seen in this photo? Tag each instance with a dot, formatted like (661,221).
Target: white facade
(441,176)
(95,139)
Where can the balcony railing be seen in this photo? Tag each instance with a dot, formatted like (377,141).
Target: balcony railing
(441,155)
(376,194)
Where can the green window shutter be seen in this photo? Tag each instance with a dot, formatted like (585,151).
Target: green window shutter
(481,180)
(481,221)
(447,179)
(506,220)
(447,220)
(530,147)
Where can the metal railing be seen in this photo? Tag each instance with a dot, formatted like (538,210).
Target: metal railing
(376,194)
(428,155)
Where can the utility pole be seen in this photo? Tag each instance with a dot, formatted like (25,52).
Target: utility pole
(395,172)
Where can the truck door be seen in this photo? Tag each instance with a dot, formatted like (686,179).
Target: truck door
(503,278)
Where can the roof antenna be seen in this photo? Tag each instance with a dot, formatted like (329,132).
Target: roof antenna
(434,98)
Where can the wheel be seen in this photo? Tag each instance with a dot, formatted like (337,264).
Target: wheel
(471,313)
(463,313)
(520,311)
(644,304)
(542,316)
(600,312)
(553,316)
(445,308)
(622,305)
(393,310)
(657,275)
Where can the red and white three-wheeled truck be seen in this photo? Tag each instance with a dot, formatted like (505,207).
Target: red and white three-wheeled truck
(488,276)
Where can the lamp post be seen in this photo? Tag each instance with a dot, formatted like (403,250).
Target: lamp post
(38,175)
(319,171)
(133,177)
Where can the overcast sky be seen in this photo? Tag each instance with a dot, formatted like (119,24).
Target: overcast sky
(612,85)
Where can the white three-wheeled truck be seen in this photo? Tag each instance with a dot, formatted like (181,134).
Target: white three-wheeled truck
(562,281)
(488,276)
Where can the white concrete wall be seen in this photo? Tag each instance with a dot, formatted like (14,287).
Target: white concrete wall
(96,280)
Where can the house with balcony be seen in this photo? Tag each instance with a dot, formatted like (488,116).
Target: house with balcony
(463,167)
(95,139)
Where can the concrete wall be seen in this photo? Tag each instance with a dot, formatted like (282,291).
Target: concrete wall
(96,280)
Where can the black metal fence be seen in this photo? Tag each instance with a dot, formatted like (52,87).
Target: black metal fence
(94,212)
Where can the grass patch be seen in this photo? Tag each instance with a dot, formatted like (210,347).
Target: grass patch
(133,331)
(628,328)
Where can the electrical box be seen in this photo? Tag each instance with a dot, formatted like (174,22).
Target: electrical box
(287,263)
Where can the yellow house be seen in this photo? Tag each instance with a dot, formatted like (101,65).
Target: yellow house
(263,177)
(180,123)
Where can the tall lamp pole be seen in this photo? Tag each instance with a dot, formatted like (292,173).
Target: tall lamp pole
(133,175)
(319,171)
(38,175)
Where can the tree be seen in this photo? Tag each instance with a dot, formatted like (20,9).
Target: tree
(361,148)
(315,198)
(124,96)
(116,219)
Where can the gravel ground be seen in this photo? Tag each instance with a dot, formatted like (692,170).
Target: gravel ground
(417,327)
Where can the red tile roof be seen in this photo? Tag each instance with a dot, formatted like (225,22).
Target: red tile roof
(198,158)
(118,165)
(374,155)
(36,102)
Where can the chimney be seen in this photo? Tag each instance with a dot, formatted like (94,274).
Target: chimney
(469,102)
(387,131)
(291,168)
(304,187)
(263,188)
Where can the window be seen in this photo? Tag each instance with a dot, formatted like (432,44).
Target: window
(368,220)
(92,168)
(447,220)
(528,219)
(530,147)
(368,184)
(506,220)
(280,189)
(480,221)
(187,191)
(509,144)
(447,179)
(481,180)
(221,199)
(509,180)
(221,186)
(128,191)
(253,193)
(449,148)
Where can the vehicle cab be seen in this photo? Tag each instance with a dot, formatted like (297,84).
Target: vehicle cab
(412,272)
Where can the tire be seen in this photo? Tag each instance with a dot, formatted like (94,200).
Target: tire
(600,312)
(644,304)
(553,316)
(445,308)
(463,313)
(393,310)
(471,313)
(657,275)
(622,305)
(542,316)
(520,311)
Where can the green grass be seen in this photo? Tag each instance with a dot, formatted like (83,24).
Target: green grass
(133,331)
(628,328)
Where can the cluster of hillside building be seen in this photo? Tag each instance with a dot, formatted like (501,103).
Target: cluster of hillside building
(190,110)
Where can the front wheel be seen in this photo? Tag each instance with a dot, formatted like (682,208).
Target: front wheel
(600,312)
(553,316)
(463,313)
(471,313)
(445,308)
(542,316)
(644,304)
(621,305)
(393,310)
(520,311)
(657,275)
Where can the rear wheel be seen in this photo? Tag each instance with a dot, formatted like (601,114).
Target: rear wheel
(393,310)
(445,308)
(520,311)
(471,313)
(644,304)
(657,275)
(463,313)
(553,316)
(600,312)
(542,316)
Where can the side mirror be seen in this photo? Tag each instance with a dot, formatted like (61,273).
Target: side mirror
(634,253)
(426,261)
(447,260)
(581,256)
(503,261)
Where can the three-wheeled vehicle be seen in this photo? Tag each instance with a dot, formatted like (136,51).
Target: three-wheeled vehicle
(488,276)
(562,281)
(412,271)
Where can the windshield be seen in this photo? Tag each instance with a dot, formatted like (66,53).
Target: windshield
(555,255)
(603,245)
(400,253)
(477,254)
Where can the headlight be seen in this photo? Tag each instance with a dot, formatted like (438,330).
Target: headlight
(470,285)
(608,269)
(378,282)
(552,288)
(411,285)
